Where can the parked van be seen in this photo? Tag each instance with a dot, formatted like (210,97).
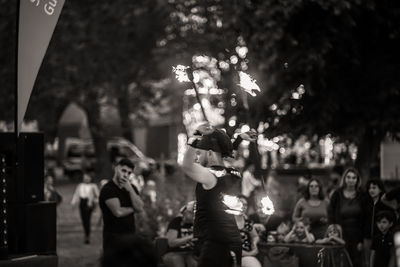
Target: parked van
(79,154)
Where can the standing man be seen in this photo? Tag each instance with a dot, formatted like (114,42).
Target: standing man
(119,201)
(215,228)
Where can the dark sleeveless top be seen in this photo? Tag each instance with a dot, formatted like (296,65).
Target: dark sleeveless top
(211,221)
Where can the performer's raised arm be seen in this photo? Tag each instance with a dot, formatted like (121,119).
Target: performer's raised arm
(194,170)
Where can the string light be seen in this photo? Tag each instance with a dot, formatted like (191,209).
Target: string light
(3,215)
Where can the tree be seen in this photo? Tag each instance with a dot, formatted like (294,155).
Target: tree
(7,59)
(344,53)
(100,53)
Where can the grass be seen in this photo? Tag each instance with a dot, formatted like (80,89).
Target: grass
(70,247)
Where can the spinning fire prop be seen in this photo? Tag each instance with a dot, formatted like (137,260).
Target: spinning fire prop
(248,84)
(267,207)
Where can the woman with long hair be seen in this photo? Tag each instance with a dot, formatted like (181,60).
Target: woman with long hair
(313,206)
(346,209)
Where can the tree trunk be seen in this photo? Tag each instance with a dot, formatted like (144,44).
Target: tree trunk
(124,111)
(368,149)
(103,166)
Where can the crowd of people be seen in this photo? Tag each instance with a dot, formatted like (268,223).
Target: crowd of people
(362,220)
(206,233)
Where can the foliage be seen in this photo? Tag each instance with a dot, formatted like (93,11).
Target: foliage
(101,53)
(7,59)
(173,192)
(344,52)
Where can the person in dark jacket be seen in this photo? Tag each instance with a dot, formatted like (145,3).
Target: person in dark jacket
(382,242)
(345,209)
(374,189)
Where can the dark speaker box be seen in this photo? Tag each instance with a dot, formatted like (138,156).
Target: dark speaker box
(31,166)
(7,149)
(16,234)
(40,228)
(24,181)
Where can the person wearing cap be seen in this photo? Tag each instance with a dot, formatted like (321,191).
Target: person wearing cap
(119,201)
(219,240)
(180,239)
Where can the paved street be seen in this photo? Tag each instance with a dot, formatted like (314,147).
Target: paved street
(70,247)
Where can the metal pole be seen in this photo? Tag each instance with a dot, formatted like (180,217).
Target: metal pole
(16,75)
(190,76)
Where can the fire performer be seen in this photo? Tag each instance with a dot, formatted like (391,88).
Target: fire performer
(214,225)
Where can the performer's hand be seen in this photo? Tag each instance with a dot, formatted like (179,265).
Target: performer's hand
(250,135)
(204,128)
(191,140)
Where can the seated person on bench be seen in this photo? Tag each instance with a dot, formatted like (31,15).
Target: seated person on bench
(180,239)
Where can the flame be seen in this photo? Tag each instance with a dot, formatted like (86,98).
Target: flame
(235,206)
(248,84)
(180,73)
(267,207)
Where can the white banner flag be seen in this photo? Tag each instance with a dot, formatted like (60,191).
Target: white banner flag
(37,20)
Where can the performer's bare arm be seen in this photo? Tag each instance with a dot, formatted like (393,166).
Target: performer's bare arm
(195,171)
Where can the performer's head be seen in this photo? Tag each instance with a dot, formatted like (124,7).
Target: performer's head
(212,147)
(123,170)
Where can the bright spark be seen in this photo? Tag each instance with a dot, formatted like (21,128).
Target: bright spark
(248,84)
(267,207)
(180,73)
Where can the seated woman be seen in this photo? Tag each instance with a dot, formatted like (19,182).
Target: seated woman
(250,238)
(300,233)
(333,235)
(180,239)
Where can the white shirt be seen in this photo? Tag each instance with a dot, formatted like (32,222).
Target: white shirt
(84,190)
